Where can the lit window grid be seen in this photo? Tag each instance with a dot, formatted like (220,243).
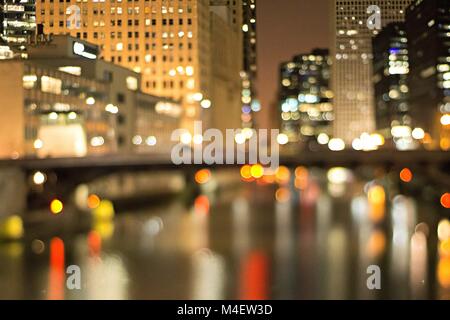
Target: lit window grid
(95,120)
(92,15)
(352,75)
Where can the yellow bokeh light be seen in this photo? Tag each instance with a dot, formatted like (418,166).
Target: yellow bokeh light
(257,171)
(56,206)
(444,248)
(11,228)
(105,211)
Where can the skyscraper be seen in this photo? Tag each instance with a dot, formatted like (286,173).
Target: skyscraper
(305,97)
(428,30)
(390,73)
(168,42)
(17,22)
(226,58)
(243,17)
(352,65)
(249,71)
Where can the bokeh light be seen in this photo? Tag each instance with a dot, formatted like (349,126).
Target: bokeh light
(406,175)
(377,201)
(56,206)
(443,230)
(445,200)
(93,201)
(257,171)
(443,272)
(201,205)
(283,195)
(203,176)
(39,178)
(246,172)
(282,175)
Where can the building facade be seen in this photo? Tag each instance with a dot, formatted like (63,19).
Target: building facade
(243,18)
(354,23)
(249,73)
(67,102)
(428,30)
(17,22)
(390,75)
(168,42)
(226,54)
(305,96)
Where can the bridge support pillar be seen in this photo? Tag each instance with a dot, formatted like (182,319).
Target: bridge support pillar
(13,192)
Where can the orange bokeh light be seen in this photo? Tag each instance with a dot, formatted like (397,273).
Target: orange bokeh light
(443,272)
(376,244)
(56,206)
(445,200)
(283,175)
(93,201)
(406,175)
(283,195)
(377,202)
(301,178)
(202,205)
(269,179)
(56,271)
(203,176)
(246,172)
(94,243)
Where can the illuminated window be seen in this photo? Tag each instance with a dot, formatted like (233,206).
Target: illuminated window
(132,83)
(51,85)
(71,69)
(29,81)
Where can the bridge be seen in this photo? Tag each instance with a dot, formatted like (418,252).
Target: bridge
(71,172)
(348,158)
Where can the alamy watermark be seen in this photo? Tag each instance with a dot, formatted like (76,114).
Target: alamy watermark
(374,21)
(73,21)
(73,281)
(374,280)
(236,147)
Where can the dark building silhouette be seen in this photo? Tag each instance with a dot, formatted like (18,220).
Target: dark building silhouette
(390,72)
(428,31)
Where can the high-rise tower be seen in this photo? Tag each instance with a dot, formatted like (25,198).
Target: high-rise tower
(352,60)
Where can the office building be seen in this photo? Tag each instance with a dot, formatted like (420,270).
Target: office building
(305,97)
(17,24)
(226,58)
(249,72)
(168,42)
(64,101)
(428,31)
(390,73)
(353,29)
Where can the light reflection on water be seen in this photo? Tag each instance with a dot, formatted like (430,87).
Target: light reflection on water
(313,236)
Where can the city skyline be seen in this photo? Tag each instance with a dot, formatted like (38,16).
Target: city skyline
(287,28)
(224,149)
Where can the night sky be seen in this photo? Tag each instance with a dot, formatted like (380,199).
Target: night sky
(286,28)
